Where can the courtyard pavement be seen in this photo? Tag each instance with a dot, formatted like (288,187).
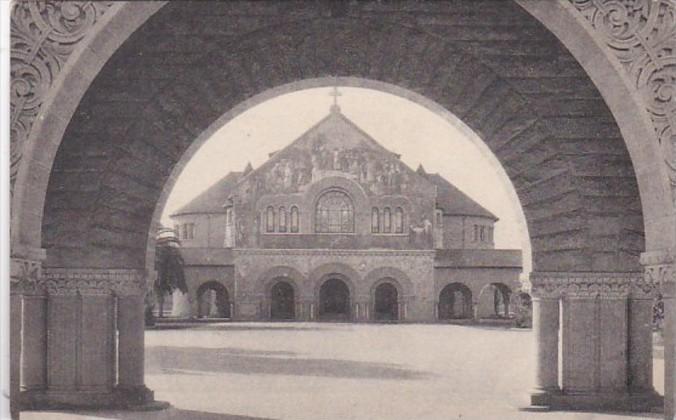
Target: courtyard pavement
(308,371)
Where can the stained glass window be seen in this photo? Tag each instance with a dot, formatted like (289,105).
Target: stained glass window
(294,219)
(387,220)
(334,213)
(270,220)
(282,219)
(375,220)
(399,220)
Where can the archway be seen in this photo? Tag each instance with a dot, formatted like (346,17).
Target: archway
(455,302)
(386,302)
(282,301)
(494,301)
(213,300)
(100,223)
(334,300)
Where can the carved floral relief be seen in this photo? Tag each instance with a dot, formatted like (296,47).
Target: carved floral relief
(642,36)
(44,33)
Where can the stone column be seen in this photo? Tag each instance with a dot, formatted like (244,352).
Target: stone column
(27,357)
(660,275)
(597,332)
(131,388)
(362,309)
(34,340)
(546,336)
(14,351)
(641,343)
(669,294)
(130,347)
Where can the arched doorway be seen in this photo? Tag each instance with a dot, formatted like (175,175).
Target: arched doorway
(494,301)
(334,300)
(213,301)
(282,301)
(386,302)
(455,302)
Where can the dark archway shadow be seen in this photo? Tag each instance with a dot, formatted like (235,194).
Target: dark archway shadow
(171,413)
(198,360)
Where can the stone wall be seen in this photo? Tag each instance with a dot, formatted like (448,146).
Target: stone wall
(412,269)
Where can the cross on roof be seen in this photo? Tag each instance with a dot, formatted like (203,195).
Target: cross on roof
(335,93)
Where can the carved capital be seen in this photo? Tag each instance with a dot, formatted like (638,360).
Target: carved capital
(583,285)
(660,272)
(66,281)
(25,275)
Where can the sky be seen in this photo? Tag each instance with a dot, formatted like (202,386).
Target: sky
(439,142)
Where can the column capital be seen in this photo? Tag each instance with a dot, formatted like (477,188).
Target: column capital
(121,282)
(583,285)
(660,272)
(25,274)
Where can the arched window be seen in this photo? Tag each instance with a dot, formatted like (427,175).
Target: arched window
(387,220)
(294,219)
(334,213)
(270,220)
(399,220)
(282,219)
(375,220)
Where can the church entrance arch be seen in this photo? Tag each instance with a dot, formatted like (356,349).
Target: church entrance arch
(386,302)
(455,302)
(334,300)
(213,300)
(282,301)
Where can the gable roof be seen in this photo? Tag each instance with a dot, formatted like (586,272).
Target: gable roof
(455,202)
(332,123)
(213,198)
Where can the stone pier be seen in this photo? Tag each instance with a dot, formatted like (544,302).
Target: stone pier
(599,370)
(79,336)
(660,274)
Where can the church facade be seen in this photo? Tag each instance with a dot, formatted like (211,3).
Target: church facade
(336,227)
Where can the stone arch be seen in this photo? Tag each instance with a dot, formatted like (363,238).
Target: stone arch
(289,274)
(493,301)
(386,300)
(395,275)
(448,307)
(142,16)
(283,299)
(349,274)
(74,221)
(351,188)
(220,307)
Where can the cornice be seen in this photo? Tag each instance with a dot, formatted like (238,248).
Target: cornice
(335,252)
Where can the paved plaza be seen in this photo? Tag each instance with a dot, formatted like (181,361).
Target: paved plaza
(312,371)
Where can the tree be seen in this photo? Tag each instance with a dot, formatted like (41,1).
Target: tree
(169,265)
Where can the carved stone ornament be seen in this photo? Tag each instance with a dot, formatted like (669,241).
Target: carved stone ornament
(44,33)
(583,285)
(642,36)
(660,273)
(25,275)
(68,281)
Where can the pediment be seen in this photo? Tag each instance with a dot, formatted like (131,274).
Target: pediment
(334,147)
